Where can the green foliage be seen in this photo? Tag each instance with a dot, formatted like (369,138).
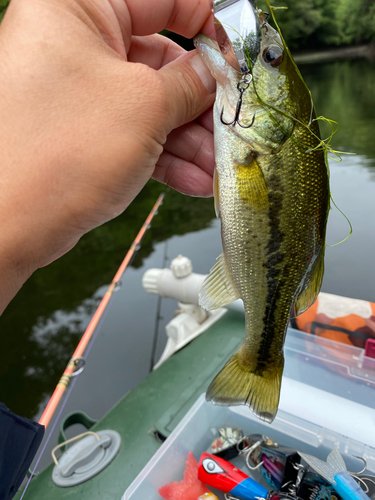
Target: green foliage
(356,20)
(311,23)
(3,6)
(315,23)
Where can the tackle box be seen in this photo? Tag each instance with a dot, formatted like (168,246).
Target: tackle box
(327,399)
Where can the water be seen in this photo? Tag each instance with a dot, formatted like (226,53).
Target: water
(42,326)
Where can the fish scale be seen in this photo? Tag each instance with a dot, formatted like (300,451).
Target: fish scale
(272,196)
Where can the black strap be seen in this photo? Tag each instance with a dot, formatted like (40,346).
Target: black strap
(360,335)
(19,441)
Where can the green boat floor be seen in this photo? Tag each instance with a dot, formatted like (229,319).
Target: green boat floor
(160,400)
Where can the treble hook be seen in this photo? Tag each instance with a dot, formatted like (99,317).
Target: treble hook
(242,85)
(364,466)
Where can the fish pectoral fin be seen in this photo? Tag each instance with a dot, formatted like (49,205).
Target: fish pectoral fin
(309,295)
(216,193)
(238,385)
(217,289)
(252,185)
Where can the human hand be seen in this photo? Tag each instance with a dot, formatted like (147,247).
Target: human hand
(92,104)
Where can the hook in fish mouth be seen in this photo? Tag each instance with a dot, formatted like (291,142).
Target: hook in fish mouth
(242,85)
(236,120)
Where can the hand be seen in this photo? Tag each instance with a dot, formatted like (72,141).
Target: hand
(92,104)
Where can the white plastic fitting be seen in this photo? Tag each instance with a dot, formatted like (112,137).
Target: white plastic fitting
(181,284)
(181,267)
(164,282)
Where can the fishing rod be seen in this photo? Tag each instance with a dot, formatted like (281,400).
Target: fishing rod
(75,360)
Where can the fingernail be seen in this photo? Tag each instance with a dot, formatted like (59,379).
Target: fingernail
(203,72)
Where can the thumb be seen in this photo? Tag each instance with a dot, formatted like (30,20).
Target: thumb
(189,87)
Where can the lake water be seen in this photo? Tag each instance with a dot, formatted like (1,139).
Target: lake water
(42,326)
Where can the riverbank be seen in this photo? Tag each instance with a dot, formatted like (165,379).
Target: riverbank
(360,51)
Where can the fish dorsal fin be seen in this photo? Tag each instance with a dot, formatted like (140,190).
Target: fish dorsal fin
(217,289)
(309,295)
(216,193)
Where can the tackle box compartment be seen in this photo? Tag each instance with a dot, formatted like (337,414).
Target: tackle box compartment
(327,399)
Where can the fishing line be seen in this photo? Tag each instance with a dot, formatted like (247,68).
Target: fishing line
(115,285)
(49,435)
(158,316)
(69,391)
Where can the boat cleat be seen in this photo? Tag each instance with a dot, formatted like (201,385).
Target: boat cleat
(85,459)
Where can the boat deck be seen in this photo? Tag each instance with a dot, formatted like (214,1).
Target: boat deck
(161,400)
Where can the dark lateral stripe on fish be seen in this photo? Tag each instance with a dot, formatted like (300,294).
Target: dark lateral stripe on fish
(275,257)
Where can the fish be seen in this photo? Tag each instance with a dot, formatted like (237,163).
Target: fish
(271,193)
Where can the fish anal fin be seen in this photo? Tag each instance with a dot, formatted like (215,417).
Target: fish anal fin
(216,193)
(239,385)
(310,293)
(252,185)
(217,289)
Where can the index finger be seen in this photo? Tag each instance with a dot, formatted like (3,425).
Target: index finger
(186,18)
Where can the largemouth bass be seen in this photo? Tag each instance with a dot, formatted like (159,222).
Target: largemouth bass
(272,195)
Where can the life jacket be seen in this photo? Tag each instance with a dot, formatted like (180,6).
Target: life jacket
(350,321)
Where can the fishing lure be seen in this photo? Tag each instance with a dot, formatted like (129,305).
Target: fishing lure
(190,488)
(280,466)
(224,476)
(276,463)
(315,487)
(335,472)
(226,445)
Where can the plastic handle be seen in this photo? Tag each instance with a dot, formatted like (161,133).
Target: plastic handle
(85,456)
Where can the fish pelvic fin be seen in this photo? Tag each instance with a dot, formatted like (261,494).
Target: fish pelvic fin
(309,295)
(217,289)
(238,385)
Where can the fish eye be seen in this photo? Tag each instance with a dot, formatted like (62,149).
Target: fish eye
(211,466)
(273,55)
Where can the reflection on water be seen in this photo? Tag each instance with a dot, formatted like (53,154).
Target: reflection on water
(57,301)
(42,326)
(345,92)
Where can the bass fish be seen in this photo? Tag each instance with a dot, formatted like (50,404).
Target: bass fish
(271,192)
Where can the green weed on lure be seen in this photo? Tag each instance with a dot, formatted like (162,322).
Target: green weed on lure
(272,196)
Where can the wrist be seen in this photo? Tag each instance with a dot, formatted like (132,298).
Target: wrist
(13,274)
(16,254)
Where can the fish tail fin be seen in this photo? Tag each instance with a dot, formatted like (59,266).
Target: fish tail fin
(237,384)
(329,469)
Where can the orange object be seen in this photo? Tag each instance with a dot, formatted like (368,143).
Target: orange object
(339,319)
(69,370)
(190,488)
(345,320)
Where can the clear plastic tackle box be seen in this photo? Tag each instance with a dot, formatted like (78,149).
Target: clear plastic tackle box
(327,398)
